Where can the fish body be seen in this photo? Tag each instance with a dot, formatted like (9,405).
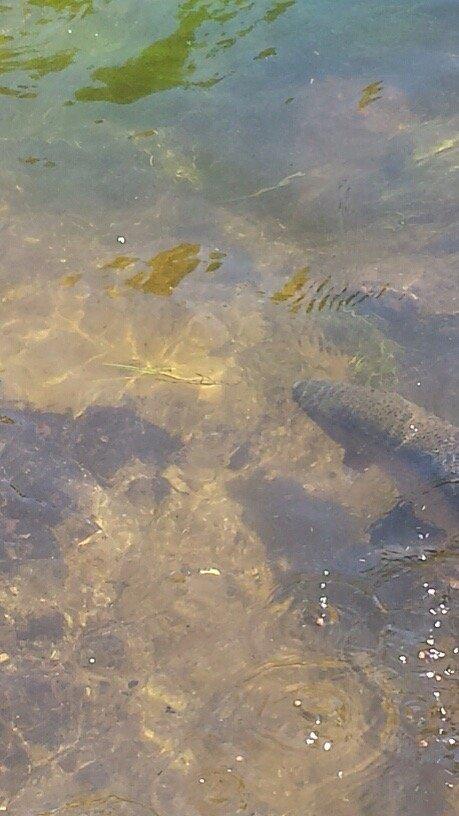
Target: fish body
(393,423)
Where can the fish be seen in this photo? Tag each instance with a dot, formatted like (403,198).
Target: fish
(394,424)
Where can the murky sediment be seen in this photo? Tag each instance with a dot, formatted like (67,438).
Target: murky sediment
(210,605)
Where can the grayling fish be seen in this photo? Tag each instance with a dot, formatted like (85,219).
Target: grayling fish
(389,421)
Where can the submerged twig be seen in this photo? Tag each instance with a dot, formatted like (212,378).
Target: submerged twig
(166,373)
(282,183)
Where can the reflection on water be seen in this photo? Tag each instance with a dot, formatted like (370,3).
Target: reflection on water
(210,603)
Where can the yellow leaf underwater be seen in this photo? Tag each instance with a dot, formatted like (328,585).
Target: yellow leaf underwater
(165,270)
(370,94)
(293,286)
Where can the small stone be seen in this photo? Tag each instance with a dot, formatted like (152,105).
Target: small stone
(327,745)
(4,657)
(423,743)
(340,774)
(121,239)
(239,758)
(297,703)
(421,655)
(320,622)
(431,591)
(402,658)
(437,624)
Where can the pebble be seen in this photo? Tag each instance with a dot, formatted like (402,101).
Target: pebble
(121,239)
(297,703)
(402,658)
(327,745)
(4,657)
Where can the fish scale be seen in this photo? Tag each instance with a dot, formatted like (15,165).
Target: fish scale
(389,419)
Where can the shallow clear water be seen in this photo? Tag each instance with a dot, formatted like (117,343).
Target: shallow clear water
(202,203)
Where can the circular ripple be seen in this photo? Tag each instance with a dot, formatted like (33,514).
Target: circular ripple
(294,725)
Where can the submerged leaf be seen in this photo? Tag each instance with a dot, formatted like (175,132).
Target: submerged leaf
(165,270)
(370,94)
(120,262)
(293,286)
(70,280)
(268,52)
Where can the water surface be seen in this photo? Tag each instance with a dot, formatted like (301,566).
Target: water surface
(208,607)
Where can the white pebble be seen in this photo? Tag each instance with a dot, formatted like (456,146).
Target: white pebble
(297,703)
(121,239)
(402,658)
(327,745)
(437,624)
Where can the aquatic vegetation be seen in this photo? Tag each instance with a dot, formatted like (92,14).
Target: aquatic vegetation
(120,262)
(267,52)
(292,287)
(168,374)
(216,258)
(172,62)
(370,94)
(166,269)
